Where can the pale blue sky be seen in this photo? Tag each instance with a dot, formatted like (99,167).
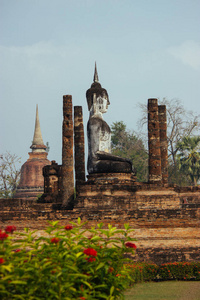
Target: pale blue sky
(143,49)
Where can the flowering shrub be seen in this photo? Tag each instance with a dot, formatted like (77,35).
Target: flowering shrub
(65,263)
(90,252)
(10,229)
(169,271)
(3,236)
(180,271)
(143,271)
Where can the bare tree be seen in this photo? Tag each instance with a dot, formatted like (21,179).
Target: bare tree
(180,124)
(9,174)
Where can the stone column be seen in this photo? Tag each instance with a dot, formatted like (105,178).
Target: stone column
(163,142)
(155,175)
(79,147)
(67,154)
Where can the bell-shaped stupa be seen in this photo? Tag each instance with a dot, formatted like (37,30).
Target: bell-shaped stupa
(32,181)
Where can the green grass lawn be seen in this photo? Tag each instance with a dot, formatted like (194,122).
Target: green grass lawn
(166,290)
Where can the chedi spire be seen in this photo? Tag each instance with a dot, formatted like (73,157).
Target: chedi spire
(96,78)
(37,144)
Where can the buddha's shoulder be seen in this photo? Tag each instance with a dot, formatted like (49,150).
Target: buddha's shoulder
(98,122)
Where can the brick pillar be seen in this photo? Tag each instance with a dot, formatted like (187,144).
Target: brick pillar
(67,153)
(155,175)
(79,147)
(163,142)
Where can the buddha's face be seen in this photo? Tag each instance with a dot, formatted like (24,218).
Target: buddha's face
(102,104)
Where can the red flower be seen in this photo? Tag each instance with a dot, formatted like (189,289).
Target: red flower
(90,259)
(130,245)
(111,269)
(90,252)
(1,260)
(68,227)
(55,240)
(17,250)
(10,229)
(83,298)
(3,236)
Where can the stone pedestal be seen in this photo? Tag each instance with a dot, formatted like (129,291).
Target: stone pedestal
(111,178)
(118,192)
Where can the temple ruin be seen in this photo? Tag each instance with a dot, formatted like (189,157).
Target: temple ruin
(165,218)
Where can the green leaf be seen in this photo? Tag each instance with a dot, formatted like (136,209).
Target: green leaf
(109,226)
(100,225)
(95,238)
(86,283)
(100,266)
(126,226)
(53,223)
(7,267)
(100,286)
(18,282)
(71,268)
(9,277)
(79,220)
(79,254)
(112,290)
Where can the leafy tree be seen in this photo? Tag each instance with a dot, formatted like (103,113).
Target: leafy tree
(9,175)
(177,176)
(189,157)
(127,144)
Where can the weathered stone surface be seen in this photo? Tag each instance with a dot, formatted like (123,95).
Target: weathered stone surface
(67,153)
(155,174)
(163,142)
(52,178)
(163,235)
(79,147)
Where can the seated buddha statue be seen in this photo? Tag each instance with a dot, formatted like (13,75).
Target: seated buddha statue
(100,158)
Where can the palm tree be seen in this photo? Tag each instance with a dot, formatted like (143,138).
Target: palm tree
(189,157)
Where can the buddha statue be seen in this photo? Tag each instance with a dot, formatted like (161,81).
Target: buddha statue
(100,159)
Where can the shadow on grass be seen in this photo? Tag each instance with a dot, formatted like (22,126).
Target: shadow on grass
(166,290)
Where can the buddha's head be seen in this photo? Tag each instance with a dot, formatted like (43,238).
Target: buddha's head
(97,95)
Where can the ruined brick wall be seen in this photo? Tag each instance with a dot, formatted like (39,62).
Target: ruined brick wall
(167,228)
